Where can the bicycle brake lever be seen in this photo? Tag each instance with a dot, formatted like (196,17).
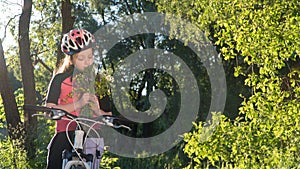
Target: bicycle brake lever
(45,115)
(123,126)
(109,122)
(34,115)
(108,119)
(57,114)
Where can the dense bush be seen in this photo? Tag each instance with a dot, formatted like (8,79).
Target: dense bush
(244,144)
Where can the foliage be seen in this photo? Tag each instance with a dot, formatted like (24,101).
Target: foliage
(86,17)
(241,144)
(13,154)
(108,162)
(2,115)
(173,159)
(256,38)
(45,34)
(46,129)
(139,93)
(102,83)
(20,101)
(263,38)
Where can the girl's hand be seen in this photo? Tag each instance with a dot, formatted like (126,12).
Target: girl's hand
(92,100)
(102,113)
(106,113)
(84,100)
(94,103)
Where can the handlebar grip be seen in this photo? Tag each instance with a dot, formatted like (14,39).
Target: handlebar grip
(55,113)
(36,108)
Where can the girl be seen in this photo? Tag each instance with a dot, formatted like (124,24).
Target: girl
(78,45)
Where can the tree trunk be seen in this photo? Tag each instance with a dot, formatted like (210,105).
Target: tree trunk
(10,106)
(149,77)
(27,77)
(67,24)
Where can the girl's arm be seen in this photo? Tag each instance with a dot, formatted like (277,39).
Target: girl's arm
(71,107)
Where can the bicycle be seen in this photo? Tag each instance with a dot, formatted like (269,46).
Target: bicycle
(81,156)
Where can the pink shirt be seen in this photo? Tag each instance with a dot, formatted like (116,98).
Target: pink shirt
(66,97)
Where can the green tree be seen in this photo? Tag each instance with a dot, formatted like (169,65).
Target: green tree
(30,122)
(262,38)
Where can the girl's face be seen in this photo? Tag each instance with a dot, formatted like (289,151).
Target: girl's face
(83,59)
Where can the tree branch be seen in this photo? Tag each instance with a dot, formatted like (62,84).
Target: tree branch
(2,39)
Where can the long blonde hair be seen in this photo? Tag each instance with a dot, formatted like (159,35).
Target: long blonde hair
(66,65)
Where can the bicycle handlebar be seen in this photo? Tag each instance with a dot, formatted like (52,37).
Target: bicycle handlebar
(57,114)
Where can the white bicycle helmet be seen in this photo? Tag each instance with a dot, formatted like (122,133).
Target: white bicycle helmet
(77,40)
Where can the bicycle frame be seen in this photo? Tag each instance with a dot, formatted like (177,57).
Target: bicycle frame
(78,158)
